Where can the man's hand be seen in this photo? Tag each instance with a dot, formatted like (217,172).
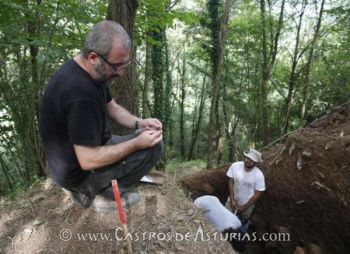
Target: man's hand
(242,208)
(150,124)
(251,201)
(149,138)
(233,205)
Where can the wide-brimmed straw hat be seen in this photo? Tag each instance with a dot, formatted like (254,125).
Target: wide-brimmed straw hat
(254,155)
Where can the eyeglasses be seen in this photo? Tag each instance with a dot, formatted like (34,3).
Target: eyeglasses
(114,66)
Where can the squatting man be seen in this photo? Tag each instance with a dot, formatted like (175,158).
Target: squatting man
(76,107)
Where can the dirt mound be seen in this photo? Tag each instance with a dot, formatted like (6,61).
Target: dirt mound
(163,222)
(308,182)
(208,182)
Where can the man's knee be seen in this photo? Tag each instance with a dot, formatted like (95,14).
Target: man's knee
(159,149)
(153,154)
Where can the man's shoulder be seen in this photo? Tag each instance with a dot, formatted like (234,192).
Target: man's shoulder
(71,83)
(258,172)
(239,165)
(71,73)
(65,68)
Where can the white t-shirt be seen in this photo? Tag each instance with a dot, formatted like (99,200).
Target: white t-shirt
(245,183)
(217,214)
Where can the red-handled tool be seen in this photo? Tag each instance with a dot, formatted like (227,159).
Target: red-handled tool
(121,213)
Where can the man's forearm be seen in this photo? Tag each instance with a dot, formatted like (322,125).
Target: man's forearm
(253,199)
(95,157)
(230,187)
(120,115)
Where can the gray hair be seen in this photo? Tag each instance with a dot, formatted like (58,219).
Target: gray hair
(102,36)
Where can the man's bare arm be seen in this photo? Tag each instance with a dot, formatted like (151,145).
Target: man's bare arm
(120,115)
(231,190)
(94,157)
(252,200)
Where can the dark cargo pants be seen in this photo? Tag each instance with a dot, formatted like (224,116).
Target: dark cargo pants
(128,171)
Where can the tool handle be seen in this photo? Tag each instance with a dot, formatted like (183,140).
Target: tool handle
(128,240)
(118,202)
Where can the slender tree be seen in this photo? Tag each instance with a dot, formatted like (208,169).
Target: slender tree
(229,127)
(124,88)
(145,90)
(218,36)
(305,92)
(182,106)
(198,122)
(269,55)
(294,73)
(167,121)
(158,74)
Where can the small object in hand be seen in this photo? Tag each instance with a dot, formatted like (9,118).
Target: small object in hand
(139,131)
(137,126)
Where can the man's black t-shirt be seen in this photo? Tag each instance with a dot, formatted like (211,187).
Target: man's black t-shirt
(72,111)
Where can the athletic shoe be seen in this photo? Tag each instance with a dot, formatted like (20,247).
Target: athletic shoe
(105,205)
(82,200)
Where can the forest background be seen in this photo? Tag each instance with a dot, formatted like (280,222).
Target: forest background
(221,75)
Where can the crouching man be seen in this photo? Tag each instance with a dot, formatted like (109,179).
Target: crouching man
(82,155)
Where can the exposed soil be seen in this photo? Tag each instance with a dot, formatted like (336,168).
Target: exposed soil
(308,182)
(208,182)
(307,178)
(44,220)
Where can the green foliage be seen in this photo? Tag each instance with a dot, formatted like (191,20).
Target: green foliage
(213,24)
(329,77)
(152,16)
(21,188)
(188,18)
(190,166)
(36,37)
(158,75)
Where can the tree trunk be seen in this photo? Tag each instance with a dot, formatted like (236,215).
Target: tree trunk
(293,74)
(268,63)
(145,103)
(167,93)
(124,89)
(158,80)
(197,124)
(229,129)
(158,75)
(31,139)
(264,78)
(182,108)
(217,68)
(218,137)
(309,63)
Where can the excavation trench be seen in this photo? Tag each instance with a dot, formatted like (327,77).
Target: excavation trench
(308,183)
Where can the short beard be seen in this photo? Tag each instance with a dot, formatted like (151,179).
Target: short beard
(100,70)
(245,164)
